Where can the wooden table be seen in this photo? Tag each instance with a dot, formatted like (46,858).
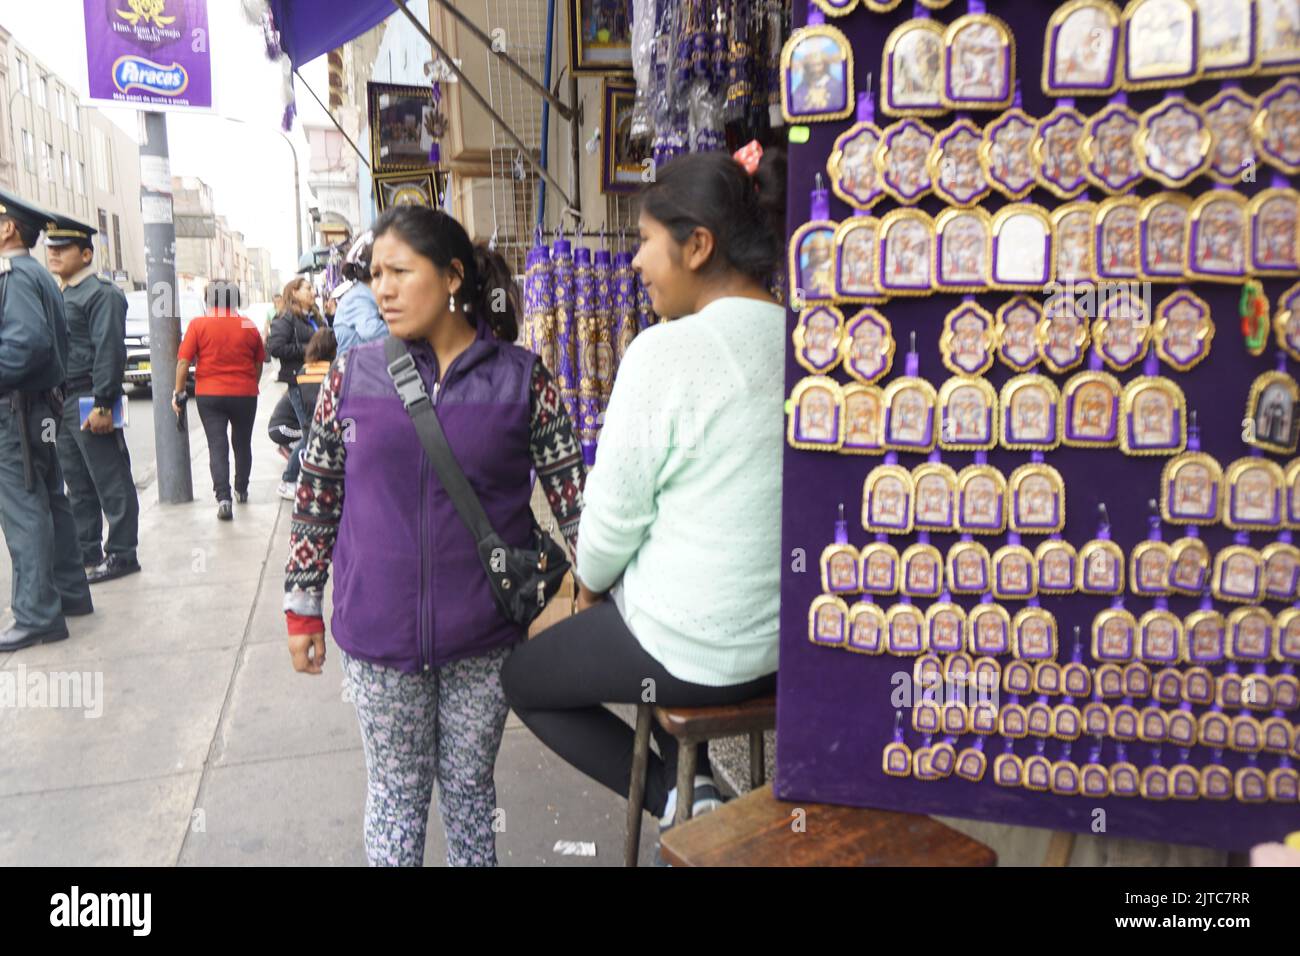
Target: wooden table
(760,830)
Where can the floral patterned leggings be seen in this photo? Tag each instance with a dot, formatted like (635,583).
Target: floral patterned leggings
(444,724)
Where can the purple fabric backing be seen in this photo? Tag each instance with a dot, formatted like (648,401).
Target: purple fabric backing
(834,716)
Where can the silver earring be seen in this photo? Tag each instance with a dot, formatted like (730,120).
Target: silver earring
(453,302)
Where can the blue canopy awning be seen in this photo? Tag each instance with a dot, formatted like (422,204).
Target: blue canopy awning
(310,28)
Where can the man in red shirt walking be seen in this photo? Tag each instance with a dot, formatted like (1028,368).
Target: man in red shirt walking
(228,353)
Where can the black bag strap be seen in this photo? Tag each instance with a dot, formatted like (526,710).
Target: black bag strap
(406,377)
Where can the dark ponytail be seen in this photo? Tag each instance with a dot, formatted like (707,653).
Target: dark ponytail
(745,214)
(487,284)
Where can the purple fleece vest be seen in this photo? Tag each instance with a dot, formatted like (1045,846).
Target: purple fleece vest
(409,590)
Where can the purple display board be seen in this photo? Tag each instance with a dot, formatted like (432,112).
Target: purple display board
(153,56)
(834,713)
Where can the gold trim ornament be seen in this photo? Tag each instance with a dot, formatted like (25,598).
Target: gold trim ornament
(1110,159)
(922,571)
(1272,416)
(1122,332)
(961,250)
(887,496)
(864,419)
(1250,636)
(851,165)
(901,157)
(981,500)
(1072,227)
(968,408)
(1117,250)
(1274,216)
(816,75)
(1017,332)
(867,346)
(1101,568)
(1034,634)
(1029,413)
(945,628)
(880,563)
(816,420)
(1083,49)
(1286,323)
(905,631)
(1015,576)
(1218,227)
(839,569)
(1238,575)
(1191,565)
(968,339)
(1148,571)
(1281,570)
(1005,153)
(1228,114)
(1286,644)
(1276,126)
(1036,499)
(1021,255)
(1189,489)
(839,8)
(827,620)
(989,629)
(1228,43)
(909,414)
(1164,219)
(812,262)
(1253,490)
(1153,417)
(1058,159)
(1114,638)
(1173,142)
(935,486)
(1160,637)
(866,628)
(967,566)
(906,251)
(1279,36)
(911,69)
(817,338)
(979,63)
(1160,43)
(1062,334)
(1183,330)
(1057,560)
(857,243)
(1090,405)
(954,164)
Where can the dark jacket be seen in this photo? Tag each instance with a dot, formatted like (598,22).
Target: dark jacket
(288,340)
(283,426)
(96,312)
(33,327)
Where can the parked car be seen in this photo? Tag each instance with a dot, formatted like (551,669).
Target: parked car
(138,370)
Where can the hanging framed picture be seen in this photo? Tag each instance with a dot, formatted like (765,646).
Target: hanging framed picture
(424,188)
(912,69)
(816,76)
(402,123)
(622,162)
(600,36)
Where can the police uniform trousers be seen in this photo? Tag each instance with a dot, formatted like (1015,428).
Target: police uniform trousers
(98,472)
(37,524)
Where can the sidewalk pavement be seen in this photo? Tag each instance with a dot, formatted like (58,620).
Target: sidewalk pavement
(210,749)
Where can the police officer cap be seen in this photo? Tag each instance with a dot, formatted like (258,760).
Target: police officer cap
(66,232)
(32,216)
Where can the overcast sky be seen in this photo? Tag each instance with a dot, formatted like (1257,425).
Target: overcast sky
(247,164)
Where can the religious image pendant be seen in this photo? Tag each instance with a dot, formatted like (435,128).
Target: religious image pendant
(851,166)
(1109,160)
(1082,49)
(857,243)
(1114,632)
(866,628)
(967,414)
(1036,499)
(1228,114)
(1062,334)
(935,487)
(1164,219)
(1271,408)
(816,420)
(816,75)
(1057,560)
(1160,42)
(1183,330)
(1276,126)
(968,339)
(1090,407)
(867,346)
(1017,332)
(864,419)
(962,244)
(1254,486)
(1153,419)
(1173,142)
(979,63)
(817,338)
(954,164)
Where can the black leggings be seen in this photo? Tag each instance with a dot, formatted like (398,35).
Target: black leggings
(557,682)
(217,412)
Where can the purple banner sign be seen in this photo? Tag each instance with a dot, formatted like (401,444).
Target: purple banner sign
(150,54)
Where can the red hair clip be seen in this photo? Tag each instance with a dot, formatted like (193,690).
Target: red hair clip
(749,156)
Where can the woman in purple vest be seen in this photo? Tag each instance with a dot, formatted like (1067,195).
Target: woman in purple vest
(421,637)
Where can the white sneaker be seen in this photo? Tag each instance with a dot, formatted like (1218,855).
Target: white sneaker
(287,491)
(707,797)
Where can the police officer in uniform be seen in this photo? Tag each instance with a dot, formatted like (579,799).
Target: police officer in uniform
(49,581)
(93,455)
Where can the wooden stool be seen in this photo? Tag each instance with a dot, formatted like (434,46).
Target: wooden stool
(757,830)
(692,726)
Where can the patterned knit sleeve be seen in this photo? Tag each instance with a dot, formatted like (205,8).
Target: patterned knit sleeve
(557,457)
(318,505)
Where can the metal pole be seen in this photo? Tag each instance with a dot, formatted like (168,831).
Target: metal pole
(171,445)
(479,98)
(297,195)
(575,145)
(546,110)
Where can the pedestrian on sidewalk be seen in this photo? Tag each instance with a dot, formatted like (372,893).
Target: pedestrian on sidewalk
(421,635)
(228,353)
(49,580)
(94,457)
(283,427)
(358,319)
(291,330)
(686,523)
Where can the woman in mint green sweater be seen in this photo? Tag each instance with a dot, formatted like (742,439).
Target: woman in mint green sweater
(678,556)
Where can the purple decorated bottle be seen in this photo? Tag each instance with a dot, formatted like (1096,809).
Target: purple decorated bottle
(566,330)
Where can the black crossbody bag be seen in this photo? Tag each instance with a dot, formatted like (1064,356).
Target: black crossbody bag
(522,579)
